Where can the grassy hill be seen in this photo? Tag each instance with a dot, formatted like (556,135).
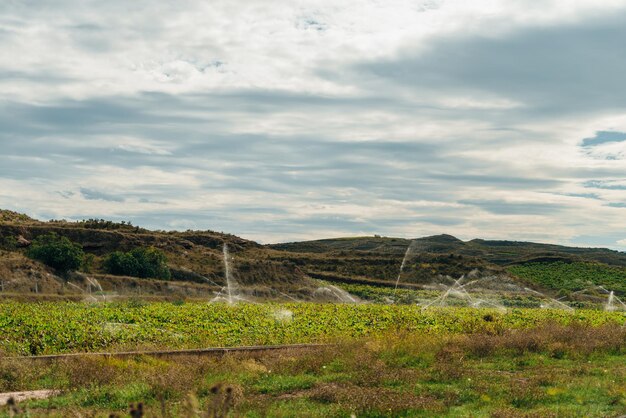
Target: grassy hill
(196,264)
(497,252)
(8,216)
(550,267)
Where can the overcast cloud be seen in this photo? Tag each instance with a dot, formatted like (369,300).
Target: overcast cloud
(283,121)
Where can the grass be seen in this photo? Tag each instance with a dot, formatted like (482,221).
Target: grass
(385,360)
(548,371)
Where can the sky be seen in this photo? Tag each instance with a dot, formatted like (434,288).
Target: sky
(282,121)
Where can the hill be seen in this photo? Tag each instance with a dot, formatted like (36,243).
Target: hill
(196,262)
(430,258)
(194,258)
(497,252)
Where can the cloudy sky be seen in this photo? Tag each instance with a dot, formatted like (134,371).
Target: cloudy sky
(282,121)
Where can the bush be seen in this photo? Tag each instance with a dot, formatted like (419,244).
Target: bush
(8,243)
(140,262)
(88,263)
(57,252)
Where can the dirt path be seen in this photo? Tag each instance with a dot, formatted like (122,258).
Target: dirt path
(23,396)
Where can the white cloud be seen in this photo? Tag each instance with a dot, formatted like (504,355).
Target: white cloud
(227,113)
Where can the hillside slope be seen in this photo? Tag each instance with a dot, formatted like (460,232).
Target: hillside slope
(497,252)
(430,258)
(197,266)
(194,257)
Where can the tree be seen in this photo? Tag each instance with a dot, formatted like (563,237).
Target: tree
(57,252)
(140,262)
(122,264)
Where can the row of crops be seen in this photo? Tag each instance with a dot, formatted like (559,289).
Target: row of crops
(386,295)
(573,276)
(46,328)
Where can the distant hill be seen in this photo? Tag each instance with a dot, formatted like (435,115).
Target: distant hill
(196,263)
(432,257)
(497,252)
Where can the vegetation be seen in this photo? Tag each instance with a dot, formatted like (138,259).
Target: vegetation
(546,371)
(384,360)
(495,252)
(573,276)
(419,268)
(140,262)
(387,294)
(8,243)
(196,255)
(10,216)
(57,252)
(46,328)
(108,225)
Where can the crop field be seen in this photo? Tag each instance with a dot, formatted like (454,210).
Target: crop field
(386,294)
(379,360)
(573,276)
(53,327)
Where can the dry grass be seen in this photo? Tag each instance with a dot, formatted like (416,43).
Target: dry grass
(361,399)
(388,376)
(558,340)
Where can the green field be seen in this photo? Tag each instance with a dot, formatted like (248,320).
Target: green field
(382,361)
(386,295)
(55,327)
(573,276)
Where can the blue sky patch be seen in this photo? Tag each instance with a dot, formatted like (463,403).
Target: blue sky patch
(602,137)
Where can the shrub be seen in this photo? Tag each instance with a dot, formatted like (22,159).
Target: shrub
(8,243)
(88,263)
(57,252)
(140,262)
(108,225)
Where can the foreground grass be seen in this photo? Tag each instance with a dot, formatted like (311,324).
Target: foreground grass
(551,370)
(47,327)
